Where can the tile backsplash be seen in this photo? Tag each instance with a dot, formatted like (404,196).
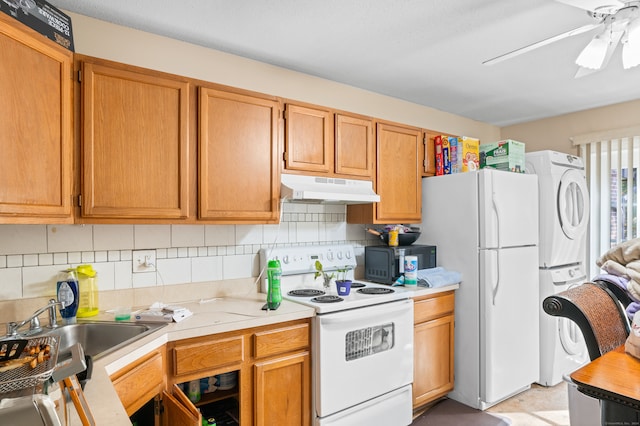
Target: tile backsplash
(32,255)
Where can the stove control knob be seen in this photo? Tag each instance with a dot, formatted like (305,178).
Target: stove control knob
(285,259)
(339,255)
(348,255)
(330,256)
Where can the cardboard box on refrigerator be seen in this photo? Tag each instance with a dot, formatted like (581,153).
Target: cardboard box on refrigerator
(503,155)
(439,155)
(468,154)
(446,155)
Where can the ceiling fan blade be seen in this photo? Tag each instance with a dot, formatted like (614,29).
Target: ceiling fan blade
(520,51)
(613,44)
(600,6)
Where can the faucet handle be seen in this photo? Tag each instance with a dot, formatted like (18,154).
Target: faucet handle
(12,328)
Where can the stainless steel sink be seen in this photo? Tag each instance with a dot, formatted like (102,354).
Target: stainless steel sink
(101,337)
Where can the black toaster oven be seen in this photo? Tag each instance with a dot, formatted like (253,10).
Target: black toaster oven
(382,263)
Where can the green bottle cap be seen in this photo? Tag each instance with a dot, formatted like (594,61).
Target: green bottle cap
(273,264)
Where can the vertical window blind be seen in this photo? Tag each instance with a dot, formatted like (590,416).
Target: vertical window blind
(612,161)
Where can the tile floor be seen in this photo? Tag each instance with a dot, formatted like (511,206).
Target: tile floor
(538,406)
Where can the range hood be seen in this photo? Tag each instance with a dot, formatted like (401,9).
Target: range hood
(327,190)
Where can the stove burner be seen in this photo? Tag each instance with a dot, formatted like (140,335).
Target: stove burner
(305,292)
(357,285)
(376,290)
(329,298)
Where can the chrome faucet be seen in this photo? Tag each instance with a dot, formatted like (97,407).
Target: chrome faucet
(34,321)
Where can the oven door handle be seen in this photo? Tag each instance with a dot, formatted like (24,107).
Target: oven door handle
(358,315)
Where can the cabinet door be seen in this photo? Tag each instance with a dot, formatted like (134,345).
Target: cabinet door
(178,410)
(354,146)
(138,383)
(398,180)
(135,143)
(428,154)
(35,127)
(433,360)
(308,139)
(239,180)
(282,391)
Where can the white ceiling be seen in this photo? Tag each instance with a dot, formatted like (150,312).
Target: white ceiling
(425,51)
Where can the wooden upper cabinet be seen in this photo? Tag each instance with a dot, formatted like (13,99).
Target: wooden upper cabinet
(36,121)
(398,178)
(428,154)
(239,178)
(398,182)
(354,146)
(309,144)
(135,145)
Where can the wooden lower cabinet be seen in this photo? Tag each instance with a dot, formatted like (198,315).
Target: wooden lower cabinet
(140,382)
(281,389)
(273,368)
(433,347)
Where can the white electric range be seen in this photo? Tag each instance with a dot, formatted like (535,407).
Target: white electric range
(362,347)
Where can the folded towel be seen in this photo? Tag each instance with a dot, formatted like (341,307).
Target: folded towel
(437,277)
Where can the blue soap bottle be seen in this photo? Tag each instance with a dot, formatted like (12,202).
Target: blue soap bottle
(67,292)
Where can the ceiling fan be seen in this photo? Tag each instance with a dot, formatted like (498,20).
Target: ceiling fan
(617,21)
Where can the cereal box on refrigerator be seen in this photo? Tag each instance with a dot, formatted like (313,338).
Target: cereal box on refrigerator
(453,154)
(446,155)
(469,153)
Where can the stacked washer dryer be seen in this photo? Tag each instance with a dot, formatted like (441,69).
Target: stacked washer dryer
(564,219)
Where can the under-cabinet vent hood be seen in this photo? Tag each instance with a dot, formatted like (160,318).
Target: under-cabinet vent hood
(327,190)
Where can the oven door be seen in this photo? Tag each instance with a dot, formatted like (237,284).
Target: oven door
(361,354)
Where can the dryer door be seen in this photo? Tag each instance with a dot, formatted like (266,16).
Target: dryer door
(573,204)
(571,338)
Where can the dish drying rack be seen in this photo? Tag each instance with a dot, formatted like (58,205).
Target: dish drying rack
(24,376)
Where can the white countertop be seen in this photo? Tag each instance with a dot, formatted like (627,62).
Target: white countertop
(217,315)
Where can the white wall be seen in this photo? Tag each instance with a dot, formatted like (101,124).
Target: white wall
(554,133)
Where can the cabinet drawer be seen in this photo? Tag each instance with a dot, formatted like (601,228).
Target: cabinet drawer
(189,358)
(281,340)
(137,384)
(433,307)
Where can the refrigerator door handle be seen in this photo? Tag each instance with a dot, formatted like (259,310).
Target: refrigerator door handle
(496,285)
(497,211)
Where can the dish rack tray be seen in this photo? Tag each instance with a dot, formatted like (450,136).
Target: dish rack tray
(25,376)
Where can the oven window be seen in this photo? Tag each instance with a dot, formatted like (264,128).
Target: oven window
(368,341)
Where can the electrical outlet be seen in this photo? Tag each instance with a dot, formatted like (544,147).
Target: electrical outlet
(144,261)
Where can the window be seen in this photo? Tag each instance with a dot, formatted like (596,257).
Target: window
(612,160)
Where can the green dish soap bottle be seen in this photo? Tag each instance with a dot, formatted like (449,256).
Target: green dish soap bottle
(274,273)
(88,291)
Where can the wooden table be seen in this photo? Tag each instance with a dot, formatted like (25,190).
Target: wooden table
(613,378)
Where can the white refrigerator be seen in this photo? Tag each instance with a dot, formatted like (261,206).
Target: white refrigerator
(485,226)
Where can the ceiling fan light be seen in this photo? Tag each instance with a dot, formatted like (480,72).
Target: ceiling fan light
(593,55)
(630,54)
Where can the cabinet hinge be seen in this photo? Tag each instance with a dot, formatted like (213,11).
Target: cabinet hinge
(284,114)
(80,200)
(284,156)
(424,140)
(79,76)
(158,407)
